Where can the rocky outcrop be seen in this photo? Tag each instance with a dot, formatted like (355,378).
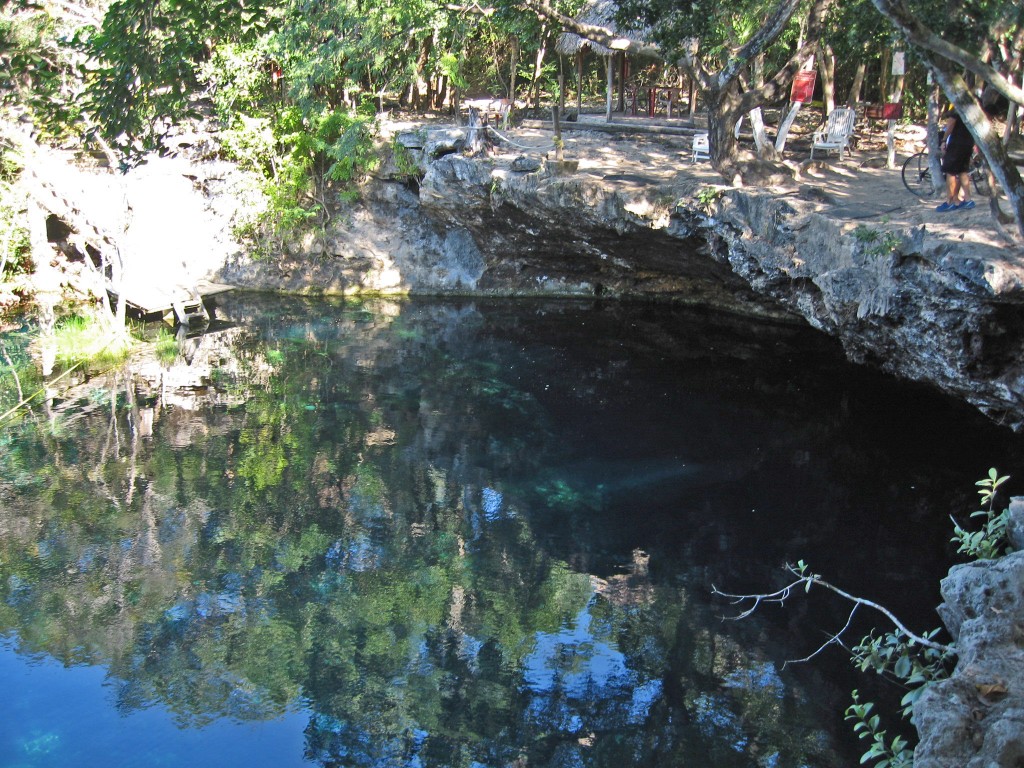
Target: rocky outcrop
(953,317)
(975,719)
(435,221)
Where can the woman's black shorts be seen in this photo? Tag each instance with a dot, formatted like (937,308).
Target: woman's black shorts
(957,160)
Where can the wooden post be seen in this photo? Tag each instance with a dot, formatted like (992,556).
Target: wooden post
(557,123)
(622,83)
(561,86)
(579,82)
(610,74)
(934,164)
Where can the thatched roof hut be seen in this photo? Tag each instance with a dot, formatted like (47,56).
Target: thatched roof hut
(600,13)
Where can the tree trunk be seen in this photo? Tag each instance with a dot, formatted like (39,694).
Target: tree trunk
(579,82)
(441,92)
(723,112)
(857,84)
(538,64)
(622,83)
(513,69)
(890,139)
(561,86)
(827,70)
(785,125)
(476,140)
(610,74)
(934,163)
(765,149)
(883,76)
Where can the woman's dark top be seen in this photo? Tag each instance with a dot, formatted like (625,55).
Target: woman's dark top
(959,146)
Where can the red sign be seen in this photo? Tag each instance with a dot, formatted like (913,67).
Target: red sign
(803,86)
(891,111)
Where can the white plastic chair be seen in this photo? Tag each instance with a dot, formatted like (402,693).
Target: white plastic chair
(701,147)
(836,135)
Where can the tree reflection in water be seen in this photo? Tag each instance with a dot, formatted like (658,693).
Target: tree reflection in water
(449,534)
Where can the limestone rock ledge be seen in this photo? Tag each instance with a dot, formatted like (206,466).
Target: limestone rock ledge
(975,719)
(943,312)
(951,314)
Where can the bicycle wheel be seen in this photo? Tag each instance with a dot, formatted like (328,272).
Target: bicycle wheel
(979,176)
(917,175)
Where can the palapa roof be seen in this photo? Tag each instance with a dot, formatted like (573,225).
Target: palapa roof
(600,13)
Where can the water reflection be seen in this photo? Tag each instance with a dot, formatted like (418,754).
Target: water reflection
(465,534)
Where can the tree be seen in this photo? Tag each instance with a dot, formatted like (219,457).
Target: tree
(144,59)
(718,47)
(945,59)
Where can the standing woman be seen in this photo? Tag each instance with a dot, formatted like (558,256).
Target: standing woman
(956,162)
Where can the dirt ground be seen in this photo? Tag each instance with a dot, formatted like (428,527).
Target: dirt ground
(858,188)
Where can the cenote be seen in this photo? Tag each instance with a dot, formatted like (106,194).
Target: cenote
(473,533)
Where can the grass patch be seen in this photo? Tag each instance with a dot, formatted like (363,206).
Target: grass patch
(82,339)
(166,347)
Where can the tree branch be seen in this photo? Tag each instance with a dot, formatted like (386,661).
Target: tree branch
(834,639)
(765,35)
(596,34)
(923,37)
(807,580)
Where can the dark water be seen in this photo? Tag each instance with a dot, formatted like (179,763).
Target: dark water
(476,534)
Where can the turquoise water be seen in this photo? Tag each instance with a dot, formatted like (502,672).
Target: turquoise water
(462,533)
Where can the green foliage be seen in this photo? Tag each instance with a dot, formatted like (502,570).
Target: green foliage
(915,666)
(88,339)
(875,242)
(989,542)
(166,347)
(893,654)
(894,754)
(707,198)
(15,249)
(403,160)
(302,159)
(146,59)
(238,79)
(36,69)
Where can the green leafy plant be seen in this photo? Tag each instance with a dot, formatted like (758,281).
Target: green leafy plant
(915,661)
(404,162)
(896,655)
(707,198)
(876,243)
(989,542)
(890,754)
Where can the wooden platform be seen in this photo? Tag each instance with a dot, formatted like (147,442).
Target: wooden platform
(182,303)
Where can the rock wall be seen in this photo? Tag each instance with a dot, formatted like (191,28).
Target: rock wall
(435,222)
(975,719)
(949,315)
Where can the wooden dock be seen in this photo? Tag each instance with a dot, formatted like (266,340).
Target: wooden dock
(180,304)
(150,277)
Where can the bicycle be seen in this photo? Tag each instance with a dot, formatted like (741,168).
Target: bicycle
(917,175)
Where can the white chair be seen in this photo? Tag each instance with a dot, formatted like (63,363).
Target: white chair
(836,135)
(701,147)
